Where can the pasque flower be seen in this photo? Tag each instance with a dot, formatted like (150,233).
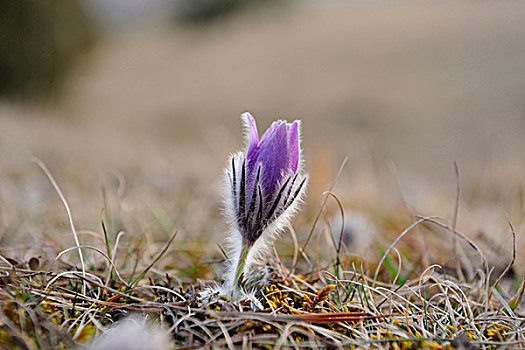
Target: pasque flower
(264,187)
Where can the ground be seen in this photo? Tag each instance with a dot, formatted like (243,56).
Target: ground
(139,139)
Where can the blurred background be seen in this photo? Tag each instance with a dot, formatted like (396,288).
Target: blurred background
(134,106)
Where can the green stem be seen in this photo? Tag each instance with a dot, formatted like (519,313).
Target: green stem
(240,265)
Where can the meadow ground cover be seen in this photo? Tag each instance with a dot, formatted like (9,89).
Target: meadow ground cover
(316,292)
(394,247)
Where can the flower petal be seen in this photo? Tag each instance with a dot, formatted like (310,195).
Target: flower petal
(293,145)
(269,132)
(273,155)
(252,133)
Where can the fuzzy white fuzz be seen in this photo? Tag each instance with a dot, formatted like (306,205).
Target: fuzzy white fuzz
(132,333)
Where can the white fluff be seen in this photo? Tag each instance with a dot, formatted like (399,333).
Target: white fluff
(132,333)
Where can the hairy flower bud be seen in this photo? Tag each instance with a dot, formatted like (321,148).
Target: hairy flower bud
(264,187)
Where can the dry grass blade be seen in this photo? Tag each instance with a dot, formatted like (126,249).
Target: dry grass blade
(509,266)
(332,317)
(454,224)
(66,205)
(341,231)
(337,301)
(162,252)
(113,256)
(111,264)
(462,236)
(318,216)
(407,230)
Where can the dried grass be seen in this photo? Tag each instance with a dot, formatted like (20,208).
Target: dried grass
(393,302)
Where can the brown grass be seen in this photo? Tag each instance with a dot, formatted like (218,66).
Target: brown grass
(341,302)
(139,142)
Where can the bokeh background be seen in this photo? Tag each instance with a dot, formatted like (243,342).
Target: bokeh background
(134,106)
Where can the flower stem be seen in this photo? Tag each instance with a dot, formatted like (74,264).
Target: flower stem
(240,265)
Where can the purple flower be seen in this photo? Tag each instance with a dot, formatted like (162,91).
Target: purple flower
(264,182)
(277,153)
(264,185)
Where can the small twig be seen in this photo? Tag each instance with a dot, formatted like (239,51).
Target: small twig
(226,335)
(6,261)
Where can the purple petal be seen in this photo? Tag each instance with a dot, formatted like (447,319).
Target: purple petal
(293,145)
(253,134)
(273,155)
(269,132)
(277,152)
